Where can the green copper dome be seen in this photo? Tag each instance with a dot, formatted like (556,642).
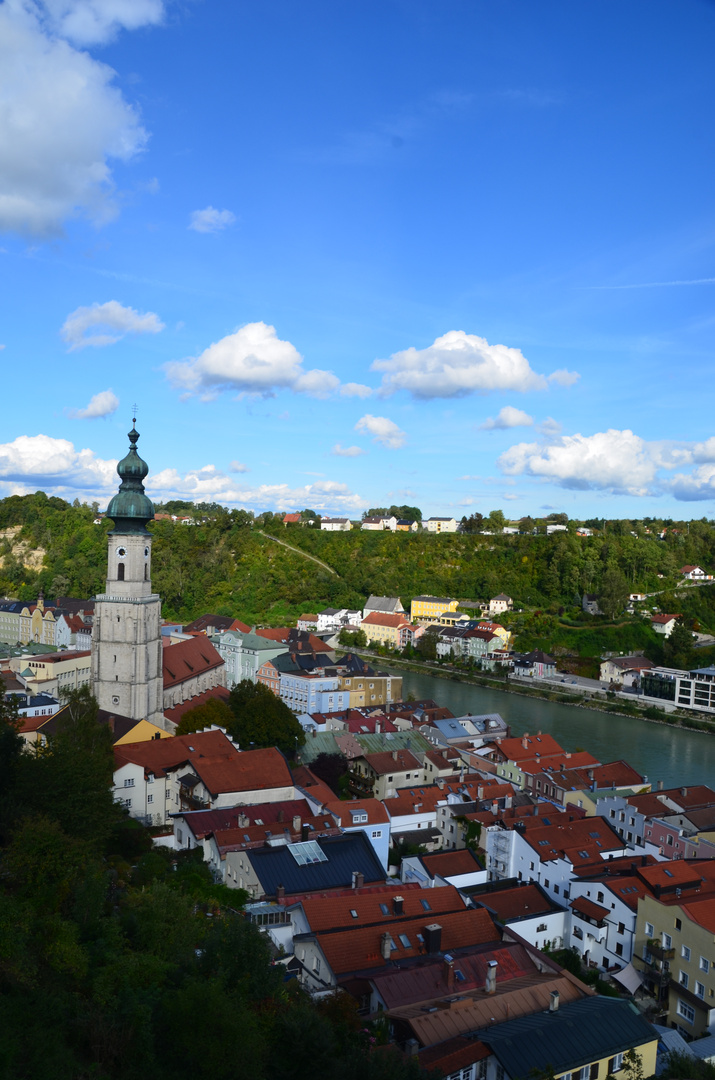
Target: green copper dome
(130,509)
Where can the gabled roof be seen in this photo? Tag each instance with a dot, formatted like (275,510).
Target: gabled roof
(577,1034)
(376,907)
(188,659)
(161,755)
(394,761)
(379,618)
(391,604)
(583,906)
(216,622)
(519,902)
(451,863)
(345,855)
(349,951)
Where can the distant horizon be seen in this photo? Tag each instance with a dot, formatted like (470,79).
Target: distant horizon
(455,255)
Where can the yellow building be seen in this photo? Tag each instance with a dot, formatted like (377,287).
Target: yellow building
(54,673)
(36,624)
(384,629)
(371,689)
(429,608)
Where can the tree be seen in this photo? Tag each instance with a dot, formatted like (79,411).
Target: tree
(214,711)
(613,596)
(330,768)
(263,719)
(375,511)
(406,513)
(473,524)
(353,639)
(678,648)
(427,644)
(497,520)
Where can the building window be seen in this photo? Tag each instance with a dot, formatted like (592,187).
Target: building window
(649,929)
(684,980)
(120,572)
(129,783)
(150,798)
(704,964)
(376,834)
(700,989)
(678,924)
(667,941)
(167,793)
(128,803)
(615,1064)
(685,952)
(686,1012)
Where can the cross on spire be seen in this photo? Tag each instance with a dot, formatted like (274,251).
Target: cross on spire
(134,412)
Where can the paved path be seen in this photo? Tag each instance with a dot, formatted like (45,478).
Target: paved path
(299,552)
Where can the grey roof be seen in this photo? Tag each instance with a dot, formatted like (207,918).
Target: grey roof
(577,1034)
(389,604)
(434,599)
(451,729)
(344,854)
(323,742)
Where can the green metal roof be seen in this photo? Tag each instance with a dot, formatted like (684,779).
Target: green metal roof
(131,509)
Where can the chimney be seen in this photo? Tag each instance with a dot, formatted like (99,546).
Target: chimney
(386,946)
(554,1001)
(590,774)
(448,970)
(398,905)
(495,808)
(296,821)
(480,791)
(683,791)
(243,821)
(433,937)
(659,785)
(394,755)
(491,980)
(358,879)
(281,815)
(305,832)
(377,725)
(525,742)
(280,893)
(412,1047)
(314,732)
(508,802)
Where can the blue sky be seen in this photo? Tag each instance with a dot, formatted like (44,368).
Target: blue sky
(452,253)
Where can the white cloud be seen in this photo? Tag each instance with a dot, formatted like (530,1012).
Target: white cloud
(697,487)
(90,22)
(616,461)
(385,431)
(112,317)
(238,467)
(102,404)
(62,119)
(705,451)
(562,377)
(549,426)
(508,417)
(211,220)
(347,451)
(253,360)
(354,389)
(458,364)
(55,465)
(208,484)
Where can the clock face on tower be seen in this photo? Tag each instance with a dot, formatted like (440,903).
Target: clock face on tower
(121,552)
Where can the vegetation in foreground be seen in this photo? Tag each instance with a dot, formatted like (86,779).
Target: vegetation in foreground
(119,961)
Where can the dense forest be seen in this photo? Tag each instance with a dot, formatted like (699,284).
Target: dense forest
(120,962)
(230,563)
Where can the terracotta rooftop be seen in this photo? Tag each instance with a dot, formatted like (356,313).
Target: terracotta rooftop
(393,761)
(339,914)
(583,906)
(519,902)
(188,659)
(204,822)
(378,618)
(451,863)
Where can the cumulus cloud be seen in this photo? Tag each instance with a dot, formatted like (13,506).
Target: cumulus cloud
(458,364)
(354,389)
(91,22)
(211,220)
(616,461)
(705,451)
(508,417)
(347,451)
(102,404)
(55,465)
(238,467)
(208,484)
(114,322)
(63,120)
(385,431)
(696,487)
(562,377)
(253,360)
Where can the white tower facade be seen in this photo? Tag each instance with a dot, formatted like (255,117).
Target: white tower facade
(126,639)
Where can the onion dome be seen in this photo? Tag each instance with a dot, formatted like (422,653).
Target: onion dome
(131,509)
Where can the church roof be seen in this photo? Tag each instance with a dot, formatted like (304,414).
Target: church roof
(188,659)
(130,508)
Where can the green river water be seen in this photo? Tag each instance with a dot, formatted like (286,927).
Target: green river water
(674,756)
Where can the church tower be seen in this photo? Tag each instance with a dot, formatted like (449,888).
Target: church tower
(126,639)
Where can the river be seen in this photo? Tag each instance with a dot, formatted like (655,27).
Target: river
(677,757)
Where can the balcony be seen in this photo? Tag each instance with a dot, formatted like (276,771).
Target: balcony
(659,952)
(361,786)
(655,973)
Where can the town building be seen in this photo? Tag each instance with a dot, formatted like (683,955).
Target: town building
(429,608)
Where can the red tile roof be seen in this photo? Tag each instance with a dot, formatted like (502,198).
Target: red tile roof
(393,761)
(451,863)
(159,755)
(377,618)
(522,901)
(204,822)
(583,906)
(514,749)
(334,914)
(187,659)
(359,949)
(375,809)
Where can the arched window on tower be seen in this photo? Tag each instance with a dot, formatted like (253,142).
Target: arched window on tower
(120,572)
(146,572)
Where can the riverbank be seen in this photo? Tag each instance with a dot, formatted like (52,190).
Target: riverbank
(678,719)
